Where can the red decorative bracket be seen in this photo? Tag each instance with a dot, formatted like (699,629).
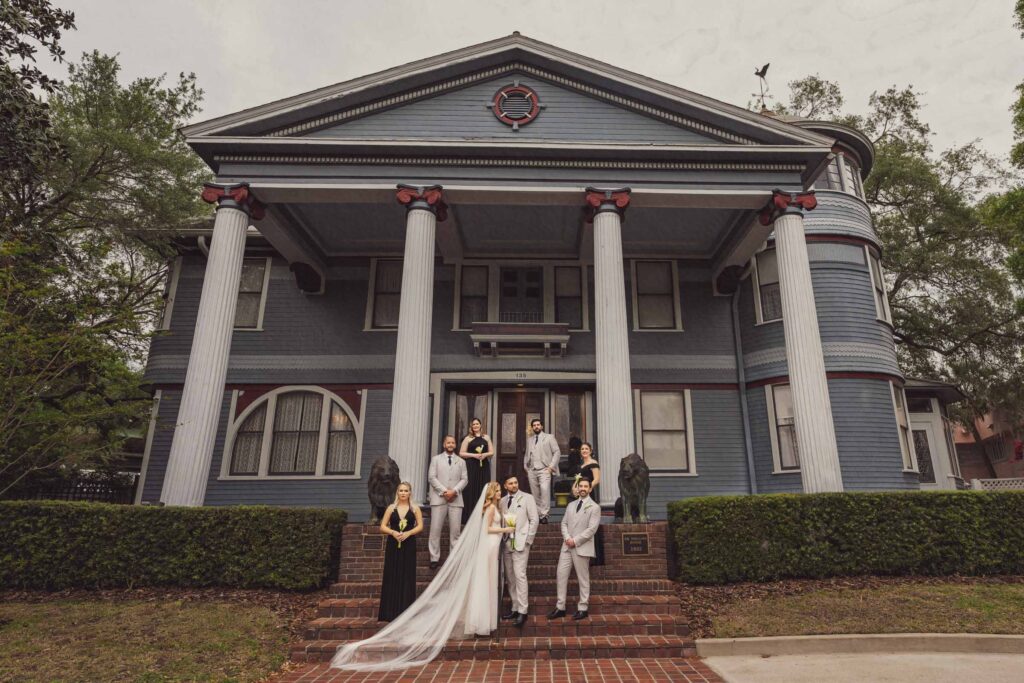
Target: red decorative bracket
(787,202)
(606,200)
(236,196)
(432,196)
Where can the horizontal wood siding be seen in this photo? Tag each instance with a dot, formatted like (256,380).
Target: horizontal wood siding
(464,114)
(167,417)
(839,213)
(760,437)
(349,494)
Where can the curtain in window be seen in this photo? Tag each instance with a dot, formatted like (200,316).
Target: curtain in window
(245,455)
(663,429)
(785,427)
(387,293)
(296,433)
(654,295)
(341,443)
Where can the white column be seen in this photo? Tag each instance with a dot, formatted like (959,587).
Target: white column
(188,466)
(815,431)
(410,422)
(615,436)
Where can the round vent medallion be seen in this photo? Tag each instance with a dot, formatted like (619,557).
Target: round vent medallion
(516,105)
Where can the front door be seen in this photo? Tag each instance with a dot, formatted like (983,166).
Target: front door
(515,411)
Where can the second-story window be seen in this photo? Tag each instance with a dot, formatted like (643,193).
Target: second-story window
(878,287)
(473,297)
(387,293)
(252,294)
(568,296)
(767,295)
(655,292)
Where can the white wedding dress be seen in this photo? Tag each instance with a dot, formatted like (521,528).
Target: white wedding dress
(461,601)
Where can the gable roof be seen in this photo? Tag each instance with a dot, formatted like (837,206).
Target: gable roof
(427,77)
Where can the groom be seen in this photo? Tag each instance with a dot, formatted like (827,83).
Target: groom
(515,552)
(582,518)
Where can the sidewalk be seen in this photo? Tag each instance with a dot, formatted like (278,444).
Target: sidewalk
(924,667)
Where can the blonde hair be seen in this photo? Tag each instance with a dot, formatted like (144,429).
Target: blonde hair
(492,493)
(411,503)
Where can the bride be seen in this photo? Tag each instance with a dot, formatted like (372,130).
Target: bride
(461,601)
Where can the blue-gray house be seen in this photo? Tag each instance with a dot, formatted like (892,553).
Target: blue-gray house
(513,230)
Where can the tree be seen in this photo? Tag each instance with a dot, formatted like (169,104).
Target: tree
(82,263)
(949,261)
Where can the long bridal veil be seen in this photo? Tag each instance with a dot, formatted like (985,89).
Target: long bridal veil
(420,632)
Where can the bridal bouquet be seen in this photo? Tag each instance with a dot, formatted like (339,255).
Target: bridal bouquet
(480,449)
(402,523)
(510,521)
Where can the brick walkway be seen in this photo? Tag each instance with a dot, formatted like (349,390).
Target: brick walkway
(683,670)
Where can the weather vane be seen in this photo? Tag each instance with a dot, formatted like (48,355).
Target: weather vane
(763,82)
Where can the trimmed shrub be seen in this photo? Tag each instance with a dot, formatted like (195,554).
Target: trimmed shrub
(55,545)
(723,539)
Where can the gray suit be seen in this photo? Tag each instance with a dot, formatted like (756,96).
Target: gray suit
(443,477)
(524,509)
(581,526)
(541,452)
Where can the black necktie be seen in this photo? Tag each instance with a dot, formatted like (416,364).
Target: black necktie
(536,439)
(579,505)
(449,461)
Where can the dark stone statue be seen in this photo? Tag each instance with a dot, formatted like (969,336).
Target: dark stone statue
(382,485)
(634,485)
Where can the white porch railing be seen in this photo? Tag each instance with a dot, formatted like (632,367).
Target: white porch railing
(1016,484)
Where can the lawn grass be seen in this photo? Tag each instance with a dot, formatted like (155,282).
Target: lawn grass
(140,641)
(898,608)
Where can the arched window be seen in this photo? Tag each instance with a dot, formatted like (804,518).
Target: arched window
(294,432)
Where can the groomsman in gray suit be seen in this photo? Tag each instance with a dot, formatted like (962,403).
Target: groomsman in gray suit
(515,552)
(447,477)
(541,462)
(582,518)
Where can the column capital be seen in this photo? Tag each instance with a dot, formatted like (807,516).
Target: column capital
(787,203)
(427,197)
(599,200)
(237,196)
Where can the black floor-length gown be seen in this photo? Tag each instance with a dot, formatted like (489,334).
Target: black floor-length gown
(587,472)
(479,474)
(398,588)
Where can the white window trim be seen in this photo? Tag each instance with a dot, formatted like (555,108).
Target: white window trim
(675,296)
(371,297)
(755,280)
(773,430)
(907,451)
(172,293)
(494,284)
(270,399)
(148,448)
(639,433)
(885,315)
(857,189)
(268,262)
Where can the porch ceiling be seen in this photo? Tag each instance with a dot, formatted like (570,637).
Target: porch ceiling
(340,230)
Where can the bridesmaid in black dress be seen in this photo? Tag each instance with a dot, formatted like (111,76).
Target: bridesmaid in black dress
(591,471)
(401,522)
(476,450)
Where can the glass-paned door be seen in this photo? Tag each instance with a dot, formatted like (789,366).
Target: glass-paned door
(522,295)
(515,411)
(924,456)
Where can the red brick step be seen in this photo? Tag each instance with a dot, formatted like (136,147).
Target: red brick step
(539,604)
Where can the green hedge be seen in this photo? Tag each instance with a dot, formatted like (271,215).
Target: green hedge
(55,545)
(723,539)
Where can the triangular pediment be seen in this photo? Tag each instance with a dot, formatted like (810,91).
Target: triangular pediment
(446,97)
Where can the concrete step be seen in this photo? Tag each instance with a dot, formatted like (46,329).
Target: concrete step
(581,647)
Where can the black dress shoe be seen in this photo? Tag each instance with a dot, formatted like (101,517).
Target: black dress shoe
(580,614)
(543,520)
(556,613)
(433,565)
(520,620)
(510,615)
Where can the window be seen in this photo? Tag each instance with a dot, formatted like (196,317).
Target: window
(655,295)
(252,294)
(170,291)
(568,418)
(954,462)
(664,430)
(768,296)
(924,456)
(386,294)
(878,286)
(299,432)
(473,298)
(521,295)
(919,405)
(851,176)
(829,178)
(782,420)
(568,296)
(899,402)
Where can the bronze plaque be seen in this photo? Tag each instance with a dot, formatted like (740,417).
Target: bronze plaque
(373,542)
(636,543)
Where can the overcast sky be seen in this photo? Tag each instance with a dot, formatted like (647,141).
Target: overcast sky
(964,56)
